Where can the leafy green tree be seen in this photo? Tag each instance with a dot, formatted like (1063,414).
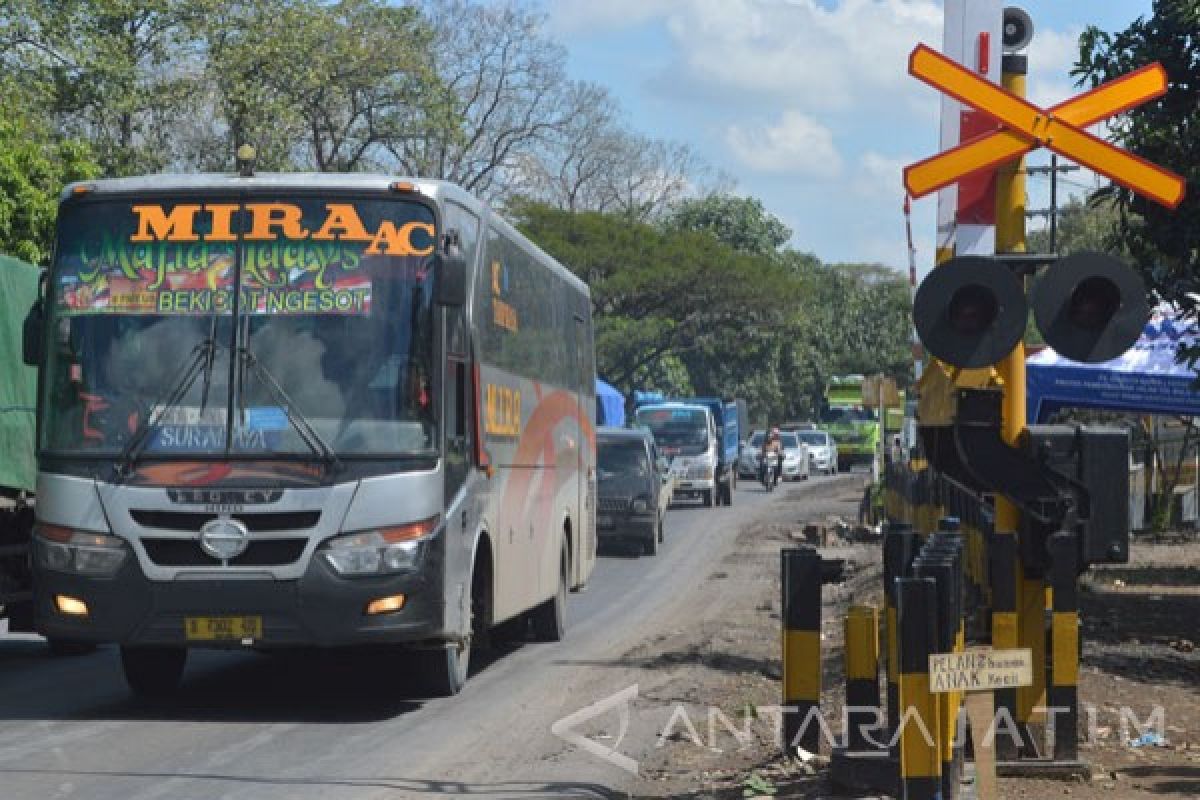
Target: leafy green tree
(34,166)
(326,86)
(1082,226)
(740,222)
(115,72)
(655,294)
(1164,244)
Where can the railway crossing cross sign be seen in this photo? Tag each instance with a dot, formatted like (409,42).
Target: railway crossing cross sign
(1026,127)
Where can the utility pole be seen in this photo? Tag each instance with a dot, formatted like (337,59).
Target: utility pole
(1051,212)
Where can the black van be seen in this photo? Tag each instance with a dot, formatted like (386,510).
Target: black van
(630,486)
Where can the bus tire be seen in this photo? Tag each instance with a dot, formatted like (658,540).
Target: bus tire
(153,671)
(443,671)
(549,619)
(650,543)
(708,497)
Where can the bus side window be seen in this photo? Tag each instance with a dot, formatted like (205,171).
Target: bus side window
(458,445)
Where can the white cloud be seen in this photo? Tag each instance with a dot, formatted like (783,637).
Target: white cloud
(1051,56)
(802,53)
(796,145)
(880,175)
(592,16)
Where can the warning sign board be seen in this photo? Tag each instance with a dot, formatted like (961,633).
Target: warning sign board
(1025,126)
(980,670)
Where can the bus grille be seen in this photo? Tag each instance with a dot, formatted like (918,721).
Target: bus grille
(611,504)
(187,553)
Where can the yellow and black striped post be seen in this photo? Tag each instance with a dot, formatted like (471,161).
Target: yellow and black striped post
(862,678)
(899,549)
(801,567)
(1002,568)
(920,753)
(941,560)
(1063,693)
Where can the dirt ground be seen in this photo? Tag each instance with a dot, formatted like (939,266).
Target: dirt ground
(1141,626)
(730,660)
(1141,630)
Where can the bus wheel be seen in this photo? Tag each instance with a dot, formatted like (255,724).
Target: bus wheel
(153,671)
(443,671)
(650,544)
(708,497)
(549,619)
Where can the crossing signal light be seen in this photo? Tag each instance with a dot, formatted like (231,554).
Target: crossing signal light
(970,312)
(1090,307)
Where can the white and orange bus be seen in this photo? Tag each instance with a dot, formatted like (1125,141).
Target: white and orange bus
(296,410)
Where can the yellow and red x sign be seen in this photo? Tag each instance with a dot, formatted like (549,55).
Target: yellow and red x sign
(1026,127)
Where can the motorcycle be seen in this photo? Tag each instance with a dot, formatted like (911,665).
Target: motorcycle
(770,467)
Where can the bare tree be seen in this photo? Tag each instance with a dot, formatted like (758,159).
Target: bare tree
(593,163)
(570,171)
(652,174)
(506,83)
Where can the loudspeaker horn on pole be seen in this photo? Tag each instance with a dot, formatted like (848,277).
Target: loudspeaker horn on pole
(1090,307)
(970,312)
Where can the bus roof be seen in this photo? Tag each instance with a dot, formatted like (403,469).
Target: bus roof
(327,181)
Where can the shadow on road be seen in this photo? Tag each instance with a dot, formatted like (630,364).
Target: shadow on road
(1130,634)
(315,687)
(565,789)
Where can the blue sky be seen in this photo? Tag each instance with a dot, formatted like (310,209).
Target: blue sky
(806,103)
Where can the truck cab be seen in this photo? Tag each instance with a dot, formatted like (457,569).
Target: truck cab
(686,434)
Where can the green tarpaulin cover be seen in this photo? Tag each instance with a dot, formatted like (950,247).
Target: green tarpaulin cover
(18,383)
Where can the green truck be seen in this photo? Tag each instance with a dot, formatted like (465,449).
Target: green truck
(18,470)
(853,425)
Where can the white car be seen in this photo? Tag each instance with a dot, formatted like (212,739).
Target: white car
(795,457)
(822,451)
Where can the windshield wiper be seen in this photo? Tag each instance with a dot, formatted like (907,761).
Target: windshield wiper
(179,387)
(209,360)
(309,434)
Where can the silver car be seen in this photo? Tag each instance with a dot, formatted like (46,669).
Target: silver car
(747,463)
(822,451)
(795,457)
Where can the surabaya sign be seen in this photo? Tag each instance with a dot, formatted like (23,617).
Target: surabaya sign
(980,670)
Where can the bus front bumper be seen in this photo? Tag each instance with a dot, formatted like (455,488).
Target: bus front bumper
(320,609)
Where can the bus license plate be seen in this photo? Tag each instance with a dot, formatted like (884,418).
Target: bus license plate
(214,628)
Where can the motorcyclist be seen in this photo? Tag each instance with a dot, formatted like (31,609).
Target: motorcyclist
(770,459)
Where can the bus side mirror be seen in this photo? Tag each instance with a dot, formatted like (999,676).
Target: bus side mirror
(450,280)
(32,344)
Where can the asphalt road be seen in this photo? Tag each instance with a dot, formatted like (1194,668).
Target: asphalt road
(332,726)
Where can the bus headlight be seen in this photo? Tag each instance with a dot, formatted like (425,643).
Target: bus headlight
(79,552)
(378,551)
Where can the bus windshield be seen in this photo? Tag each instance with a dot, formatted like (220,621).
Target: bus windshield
(682,431)
(209,324)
